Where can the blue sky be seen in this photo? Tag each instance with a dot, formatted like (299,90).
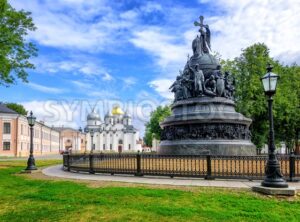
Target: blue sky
(100,52)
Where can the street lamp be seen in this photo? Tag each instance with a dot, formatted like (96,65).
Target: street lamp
(31,162)
(273,176)
(92,143)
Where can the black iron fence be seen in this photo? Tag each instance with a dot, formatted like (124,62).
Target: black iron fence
(202,166)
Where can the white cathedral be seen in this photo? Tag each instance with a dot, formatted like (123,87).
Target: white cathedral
(115,134)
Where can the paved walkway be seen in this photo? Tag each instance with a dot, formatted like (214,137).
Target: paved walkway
(56,171)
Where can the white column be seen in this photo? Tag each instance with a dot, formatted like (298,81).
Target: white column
(107,141)
(88,142)
(125,141)
(101,141)
(97,141)
(115,141)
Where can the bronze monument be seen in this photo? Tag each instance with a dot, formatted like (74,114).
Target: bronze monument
(204,120)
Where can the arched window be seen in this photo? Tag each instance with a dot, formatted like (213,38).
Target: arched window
(120,141)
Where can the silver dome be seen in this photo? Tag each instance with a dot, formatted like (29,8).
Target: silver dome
(126,115)
(93,116)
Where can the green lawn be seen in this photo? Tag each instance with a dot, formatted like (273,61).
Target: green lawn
(23,199)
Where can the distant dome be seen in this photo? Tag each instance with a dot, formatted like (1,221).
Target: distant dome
(93,116)
(126,115)
(117,110)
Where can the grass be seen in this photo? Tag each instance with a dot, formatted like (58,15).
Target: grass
(25,199)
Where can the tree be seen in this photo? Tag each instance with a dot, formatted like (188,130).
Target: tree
(287,105)
(153,129)
(15,50)
(247,70)
(18,108)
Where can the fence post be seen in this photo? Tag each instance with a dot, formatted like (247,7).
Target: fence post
(292,167)
(68,162)
(91,160)
(208,165)
(138,165)
(101,156)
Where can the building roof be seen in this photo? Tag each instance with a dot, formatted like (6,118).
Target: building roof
(117,110)
(62,128)
(93,116)
(5,109)
(126,115)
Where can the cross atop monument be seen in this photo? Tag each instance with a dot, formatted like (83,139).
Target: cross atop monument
(201,18)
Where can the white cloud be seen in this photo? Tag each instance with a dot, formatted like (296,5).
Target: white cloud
(83,25)
(103,94)
(151,7)
(247,22)
(131,15)
(162,87)
(84,65)
(55,113)
(129,81)
(45,89)
(82,85)
(162,46)
(89,89)
(106,76)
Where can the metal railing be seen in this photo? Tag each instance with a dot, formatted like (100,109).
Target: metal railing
(202,166)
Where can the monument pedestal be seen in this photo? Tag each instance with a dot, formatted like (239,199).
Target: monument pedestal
(206,125)
(290,191)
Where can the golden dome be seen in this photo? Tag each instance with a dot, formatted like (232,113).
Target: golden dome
(117,111)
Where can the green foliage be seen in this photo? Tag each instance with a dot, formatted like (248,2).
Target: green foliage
(15,50)
(18,108)
(46,200)
(287,105)
(153,129)
(148,137)
(247,69)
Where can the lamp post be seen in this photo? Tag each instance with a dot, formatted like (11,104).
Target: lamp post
(31,162)
(273,176)
(79,139)
(92,142)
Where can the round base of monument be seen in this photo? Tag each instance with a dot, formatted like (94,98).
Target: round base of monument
(207,147)
(206,125)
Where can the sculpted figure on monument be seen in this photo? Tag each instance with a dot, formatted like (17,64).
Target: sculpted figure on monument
(202,73)
(220,85)
(198,81)
(210,86)
(206,131)
(201,44)
(177,89)
(197,46)
(187,83)
(229,86)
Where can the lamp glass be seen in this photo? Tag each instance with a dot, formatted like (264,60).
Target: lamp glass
(269,82)
(31,120)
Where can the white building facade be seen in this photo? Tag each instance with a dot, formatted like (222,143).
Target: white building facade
(115,134)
